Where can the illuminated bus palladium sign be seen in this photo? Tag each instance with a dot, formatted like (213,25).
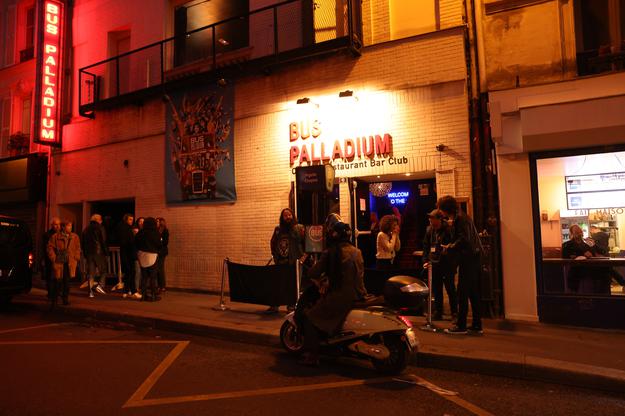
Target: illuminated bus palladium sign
(47,129)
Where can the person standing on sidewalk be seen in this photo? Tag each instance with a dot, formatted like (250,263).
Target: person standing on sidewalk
(127,254)
(148,242)
(388,243)
(160,261)
(438,235)
(287,244)
(466,247)
(47,271)
(95,251)
(64,253)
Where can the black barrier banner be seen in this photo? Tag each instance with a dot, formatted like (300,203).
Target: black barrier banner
(262,285)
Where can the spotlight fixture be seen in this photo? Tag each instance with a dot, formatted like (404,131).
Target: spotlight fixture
(223,41)
(346,93)
(304,100)
(441,147)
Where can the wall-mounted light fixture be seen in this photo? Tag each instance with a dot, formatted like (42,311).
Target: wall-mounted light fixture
(346,93)
(304,100)
(223,42)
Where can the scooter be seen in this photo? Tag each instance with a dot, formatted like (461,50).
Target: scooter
(371,331)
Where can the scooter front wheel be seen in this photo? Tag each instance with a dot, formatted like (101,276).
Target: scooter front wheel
(290,338)
(397,361)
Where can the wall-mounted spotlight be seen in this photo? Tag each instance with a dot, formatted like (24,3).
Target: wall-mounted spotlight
(441,147)
(223,42)
(304,100)
(346,93)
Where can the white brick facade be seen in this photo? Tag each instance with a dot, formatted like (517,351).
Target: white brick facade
(421,80)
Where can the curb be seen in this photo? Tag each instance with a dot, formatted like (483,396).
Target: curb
(482,362)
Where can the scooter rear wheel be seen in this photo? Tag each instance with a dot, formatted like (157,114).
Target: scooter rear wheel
(397,360)
(291,339)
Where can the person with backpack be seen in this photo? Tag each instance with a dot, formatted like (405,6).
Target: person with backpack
(465,246)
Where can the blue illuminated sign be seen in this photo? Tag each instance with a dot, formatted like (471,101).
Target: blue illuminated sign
(398,198)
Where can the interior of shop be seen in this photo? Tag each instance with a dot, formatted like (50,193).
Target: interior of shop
(587,190)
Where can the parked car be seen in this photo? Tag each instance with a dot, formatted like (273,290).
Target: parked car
(16,258)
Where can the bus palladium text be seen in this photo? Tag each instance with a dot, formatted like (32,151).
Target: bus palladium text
(312,150)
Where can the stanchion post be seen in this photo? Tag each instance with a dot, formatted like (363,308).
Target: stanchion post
(222,304)
(298,275)
(429,326)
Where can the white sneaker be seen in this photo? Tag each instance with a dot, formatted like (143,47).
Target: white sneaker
(84,284)
(119,286)
(137,295)
(91,295)
(99,289)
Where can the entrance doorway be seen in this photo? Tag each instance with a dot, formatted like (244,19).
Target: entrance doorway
(112,214)
(73,213)
(410,198)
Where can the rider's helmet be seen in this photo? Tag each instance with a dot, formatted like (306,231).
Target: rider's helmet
(336,229)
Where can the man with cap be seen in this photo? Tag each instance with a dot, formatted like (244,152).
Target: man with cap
(438,235)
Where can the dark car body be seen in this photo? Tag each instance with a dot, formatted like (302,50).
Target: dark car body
(16,248)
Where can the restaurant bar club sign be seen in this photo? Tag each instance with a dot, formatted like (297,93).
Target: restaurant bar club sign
(199,165)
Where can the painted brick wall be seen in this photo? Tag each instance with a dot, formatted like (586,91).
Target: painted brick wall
(420,83)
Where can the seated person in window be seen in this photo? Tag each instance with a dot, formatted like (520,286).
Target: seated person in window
(601,239)
(577,247)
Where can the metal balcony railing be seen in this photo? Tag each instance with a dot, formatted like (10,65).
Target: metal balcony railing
(271,35)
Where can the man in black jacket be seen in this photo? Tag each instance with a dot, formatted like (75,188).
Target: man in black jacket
(466,247)
(95,251)
(46,272)
(127,253)
(438,235)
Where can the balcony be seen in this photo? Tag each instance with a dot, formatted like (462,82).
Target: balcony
(256,41)
(605,59)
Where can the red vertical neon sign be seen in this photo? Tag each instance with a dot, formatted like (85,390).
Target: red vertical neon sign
(49,73)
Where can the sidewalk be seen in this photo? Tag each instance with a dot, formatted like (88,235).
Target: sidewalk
(578,356)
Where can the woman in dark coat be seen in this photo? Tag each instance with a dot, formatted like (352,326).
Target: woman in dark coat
(148,243)
(160,261)
(339,276)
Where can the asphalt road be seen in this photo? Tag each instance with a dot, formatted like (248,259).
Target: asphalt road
(55,367)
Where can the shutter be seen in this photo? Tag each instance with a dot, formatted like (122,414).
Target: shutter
(5,124)
(9,52)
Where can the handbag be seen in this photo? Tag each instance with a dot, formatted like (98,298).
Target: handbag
(62,255)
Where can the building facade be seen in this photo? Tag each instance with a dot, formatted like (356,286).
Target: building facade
(554,72)
(404,89)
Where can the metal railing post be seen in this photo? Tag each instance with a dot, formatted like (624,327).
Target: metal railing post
(214,50)
(276,50)
(429,326)
(298,276)
(222,305)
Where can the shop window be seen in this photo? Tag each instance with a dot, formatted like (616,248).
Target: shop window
(199,45)
(600,35)
(581,212)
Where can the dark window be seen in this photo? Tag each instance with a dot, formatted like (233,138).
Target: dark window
(229,36)
(30,27)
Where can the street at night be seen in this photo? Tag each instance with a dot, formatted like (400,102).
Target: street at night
(73,368)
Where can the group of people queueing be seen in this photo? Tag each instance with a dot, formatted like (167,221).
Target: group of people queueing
(451,243)
(143,248)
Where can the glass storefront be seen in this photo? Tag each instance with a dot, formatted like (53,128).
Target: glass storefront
(579,208)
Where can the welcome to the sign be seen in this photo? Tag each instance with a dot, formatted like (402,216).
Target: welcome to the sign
(48,77)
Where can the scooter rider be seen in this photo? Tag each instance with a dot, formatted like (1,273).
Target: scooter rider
(338,275)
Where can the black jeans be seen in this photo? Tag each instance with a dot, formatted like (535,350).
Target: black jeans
(60,287)
(384,264)
(443,275)
(469,290)
(148,282)
(128,270)
(160,270)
